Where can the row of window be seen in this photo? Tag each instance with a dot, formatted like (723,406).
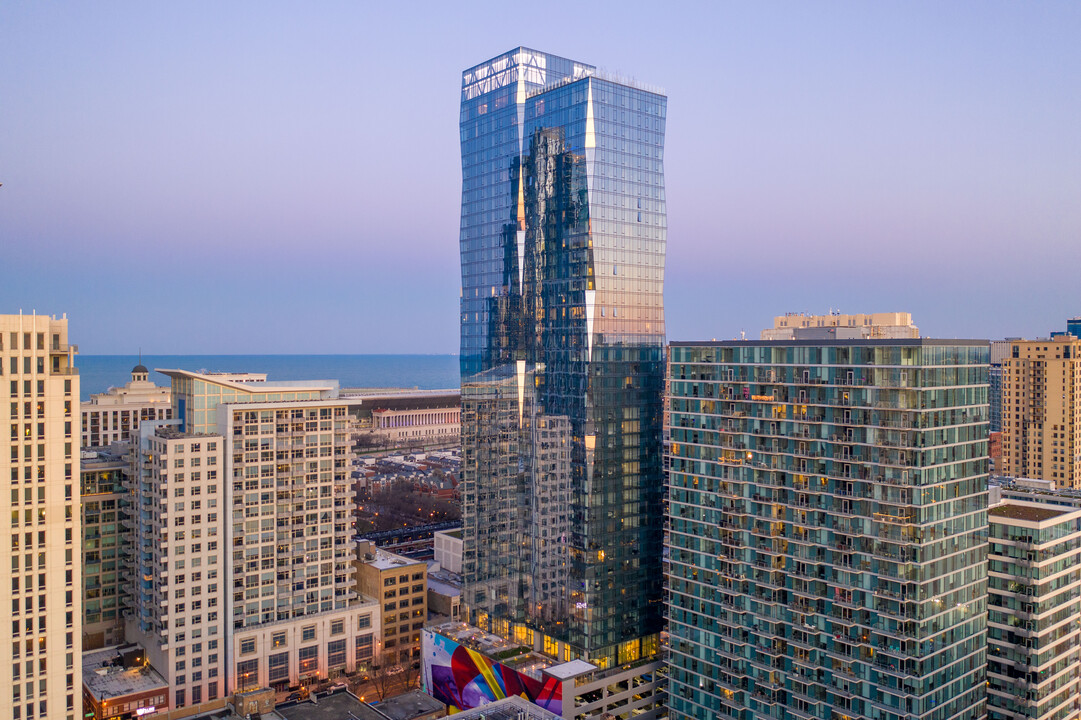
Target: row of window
(308,659)
(307,634)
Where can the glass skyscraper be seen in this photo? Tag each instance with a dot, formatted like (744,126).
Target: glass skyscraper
(828,529)
(563,233)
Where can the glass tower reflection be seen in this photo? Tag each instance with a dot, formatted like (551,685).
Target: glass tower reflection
(563,234)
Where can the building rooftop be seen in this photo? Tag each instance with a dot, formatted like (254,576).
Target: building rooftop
(337,706)
(409,705)
(571,669)
(526,661)
(104,675)
(100,458)
(443,588)
(253,382)
(510,708)
(1026,512)
(904,342)
(383,560)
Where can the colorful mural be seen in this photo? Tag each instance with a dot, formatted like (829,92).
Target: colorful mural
(464,679)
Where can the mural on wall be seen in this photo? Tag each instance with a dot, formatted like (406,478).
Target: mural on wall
(464,679)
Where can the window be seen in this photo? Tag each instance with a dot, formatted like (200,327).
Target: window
(309,659)
(365,645)
(247,646)
(336,653)
(364,621)
(278,667)
(278,639)
(247,673)
(307,634)
(337,627)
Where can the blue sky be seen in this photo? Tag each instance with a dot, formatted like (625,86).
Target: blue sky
(285,177)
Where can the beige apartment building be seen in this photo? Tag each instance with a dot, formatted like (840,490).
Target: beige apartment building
(873,326)
(178,576)
(400,585)
(243,571)
(41,586)
(114,416)
(1041,415)
(296,616)
(293,616)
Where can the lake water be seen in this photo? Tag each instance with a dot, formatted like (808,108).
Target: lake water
(427,372)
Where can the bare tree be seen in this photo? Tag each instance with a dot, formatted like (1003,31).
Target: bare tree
(410,674)
(385,673)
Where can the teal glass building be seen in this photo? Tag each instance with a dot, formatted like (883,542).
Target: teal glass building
(827,540)
(563,232)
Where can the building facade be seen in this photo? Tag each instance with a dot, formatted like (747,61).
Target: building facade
(828,529)
(400,586)
(1034,584)
(413,418)
(563,236)
(114,416)
(1000,350)
(448,550)
(291,570)
(178,576)
(1041,412)
(105,495)
(42,583)
(242,574)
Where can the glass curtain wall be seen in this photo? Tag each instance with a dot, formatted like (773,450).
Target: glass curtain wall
(563,235)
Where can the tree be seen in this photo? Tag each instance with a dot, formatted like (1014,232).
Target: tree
(385,673)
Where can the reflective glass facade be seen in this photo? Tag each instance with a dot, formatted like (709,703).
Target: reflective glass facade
(562,240)
(828,529)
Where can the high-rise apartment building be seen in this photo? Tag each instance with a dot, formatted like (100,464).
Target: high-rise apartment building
(243,575)
(1041,412)
(292,611)
(828,529)
(294,600)
(41,585)
(563,233)
(105,498)
(179,572)
(1034,579)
